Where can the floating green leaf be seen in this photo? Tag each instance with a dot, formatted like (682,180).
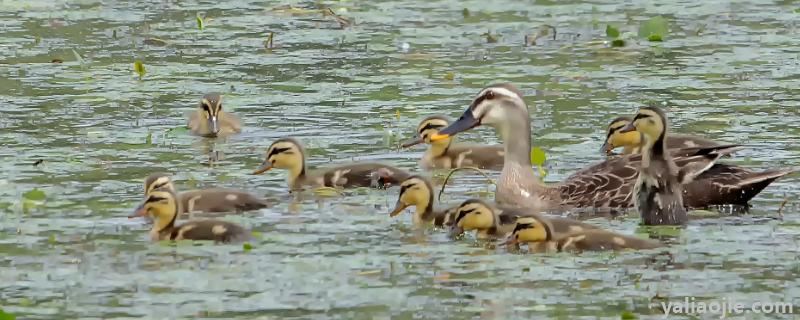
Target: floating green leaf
(449,76)
(627,315)
(654,29)
(797,10)
(51,239)
(138,66)
(611,31)
(200,23)
(465,13)
(538,157)
(247,246)
(34,195)
(7,316)
(617,43)
(176,130)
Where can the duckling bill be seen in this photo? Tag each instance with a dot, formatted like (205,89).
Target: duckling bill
(288,154)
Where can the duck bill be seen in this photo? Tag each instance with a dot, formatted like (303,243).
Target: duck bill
(139,211)
(266,166)
(465,122)
(606,148)
(628,128)
(455,231)
(213,124)
(398,209)
(511,241)
(411,143)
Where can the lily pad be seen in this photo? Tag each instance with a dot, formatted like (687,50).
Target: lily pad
(138,67)
(7,316)
(538,156)
(611,31)
(34,195)
(654,29)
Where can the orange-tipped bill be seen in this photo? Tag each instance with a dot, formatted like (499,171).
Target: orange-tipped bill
(398,209)
(263,168)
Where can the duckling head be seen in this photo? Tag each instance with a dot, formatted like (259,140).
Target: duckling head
(210,108)
(414,191)
(162,205)
(427,128)
(651,122)
(286,154)
(473,214)
(615,138)
(500,106)
(530,229)
(158,180)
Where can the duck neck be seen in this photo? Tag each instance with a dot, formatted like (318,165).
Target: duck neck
(516,135)
(439,148)
(297,173)
(424,210)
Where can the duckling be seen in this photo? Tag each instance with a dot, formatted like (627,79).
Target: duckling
(658,192)
(445,154)
(163,206)
(206,200)
(631,141)
(289,154)
(496,221)
(607,184)
(418,191)
(538,233)
(210,121)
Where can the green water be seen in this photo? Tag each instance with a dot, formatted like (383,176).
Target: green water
(728,71)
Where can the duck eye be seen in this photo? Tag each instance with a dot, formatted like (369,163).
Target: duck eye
(490,95)
(206,108)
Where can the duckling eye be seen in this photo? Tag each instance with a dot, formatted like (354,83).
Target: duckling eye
(489,95)
(206,108)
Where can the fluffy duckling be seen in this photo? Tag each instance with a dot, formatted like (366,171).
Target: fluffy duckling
(206,200)
(162,205)
(418,191)
(496,221)
(658,191)
(446,154)
(631,141)
(538,233)
(288,154)
(210,121)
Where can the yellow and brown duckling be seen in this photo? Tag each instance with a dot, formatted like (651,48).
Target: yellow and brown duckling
(288,154)
(658,192)
(209,120)
(417,191)
(490,221)
(539,234)
(631,141)
(447,154)
(206,200)
(163,206)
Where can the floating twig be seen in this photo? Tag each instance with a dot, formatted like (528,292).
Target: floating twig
(439,197)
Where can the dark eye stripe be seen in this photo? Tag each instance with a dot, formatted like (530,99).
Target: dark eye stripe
(275,151)
(157,186)
(521,226)
(404,188)
(155,199)
(641,116)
